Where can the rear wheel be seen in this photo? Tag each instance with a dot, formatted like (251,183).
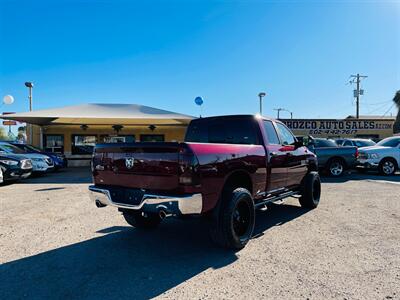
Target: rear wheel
(234,224)
(139,219)
(336,167)
(387,166)
(310,190)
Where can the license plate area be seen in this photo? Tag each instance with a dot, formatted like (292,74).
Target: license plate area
(126,196)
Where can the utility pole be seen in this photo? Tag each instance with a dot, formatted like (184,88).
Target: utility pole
(357,92)
(261,95)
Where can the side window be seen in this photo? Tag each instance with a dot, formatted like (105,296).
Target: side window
(233,131)
(271,133)
(286,136)
(348,143)
(241,132)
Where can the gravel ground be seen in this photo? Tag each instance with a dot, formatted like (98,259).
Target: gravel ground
(55,244)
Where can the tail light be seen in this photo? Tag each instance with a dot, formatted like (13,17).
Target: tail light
(188,164)
(356,154)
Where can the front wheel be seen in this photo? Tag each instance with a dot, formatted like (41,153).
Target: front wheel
(234,225)
(310,190)
(139,219)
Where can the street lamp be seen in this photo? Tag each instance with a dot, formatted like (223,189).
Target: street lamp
(29,85)
(261,95)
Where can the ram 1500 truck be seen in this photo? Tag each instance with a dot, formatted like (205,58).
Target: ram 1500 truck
(227,167)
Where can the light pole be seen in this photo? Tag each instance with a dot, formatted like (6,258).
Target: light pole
(29,85)
(261,95)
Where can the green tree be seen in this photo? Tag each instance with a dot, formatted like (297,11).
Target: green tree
(396,100)
(3,134)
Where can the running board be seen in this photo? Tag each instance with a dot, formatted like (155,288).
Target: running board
(275,198)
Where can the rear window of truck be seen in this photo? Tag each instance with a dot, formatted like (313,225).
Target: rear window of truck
(224,131)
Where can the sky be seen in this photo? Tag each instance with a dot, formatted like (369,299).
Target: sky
(165,53)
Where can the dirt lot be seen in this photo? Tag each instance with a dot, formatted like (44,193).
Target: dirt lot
(55,244)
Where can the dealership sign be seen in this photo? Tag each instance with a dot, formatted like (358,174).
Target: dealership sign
(329,127)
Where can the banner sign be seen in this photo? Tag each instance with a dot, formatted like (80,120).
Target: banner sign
(9,123)
(329,127)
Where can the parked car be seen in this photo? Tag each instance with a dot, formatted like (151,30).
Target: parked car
(40,162)
(355,142)
(332,158)
(60,161)
(384,156)
(227,167)
(14,167)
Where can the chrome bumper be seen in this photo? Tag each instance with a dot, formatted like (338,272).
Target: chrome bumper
(176,205)
(367,164)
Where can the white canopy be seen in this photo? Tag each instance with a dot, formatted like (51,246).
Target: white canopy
(101,114)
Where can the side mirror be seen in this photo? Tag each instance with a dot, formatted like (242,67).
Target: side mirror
(298,144)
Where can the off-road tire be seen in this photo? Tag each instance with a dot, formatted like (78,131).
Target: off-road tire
(334,166)
(233,224)
(139,220)
(383,168)
(310,190)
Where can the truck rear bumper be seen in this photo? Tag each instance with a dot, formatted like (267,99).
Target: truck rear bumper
(175,205)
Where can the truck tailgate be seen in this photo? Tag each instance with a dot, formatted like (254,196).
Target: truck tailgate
(150,166)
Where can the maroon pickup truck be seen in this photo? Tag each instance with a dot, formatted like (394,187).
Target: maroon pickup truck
(227,167)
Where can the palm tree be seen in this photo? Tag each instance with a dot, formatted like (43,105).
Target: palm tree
(396,100)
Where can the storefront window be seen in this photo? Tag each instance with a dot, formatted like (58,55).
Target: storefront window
(117,139)
(152,138)
(53,143)
(83,144)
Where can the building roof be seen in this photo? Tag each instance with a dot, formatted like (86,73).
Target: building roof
(101,114)
(372,117)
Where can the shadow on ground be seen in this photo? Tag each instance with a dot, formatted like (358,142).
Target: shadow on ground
(125,262)
(68,175)
(356,176)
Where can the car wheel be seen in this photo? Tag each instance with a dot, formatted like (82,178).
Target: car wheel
(387,166)
(336,167)
(235,223)
(139,219)
(310,190)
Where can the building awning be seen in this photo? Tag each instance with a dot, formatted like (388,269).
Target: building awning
(101,114)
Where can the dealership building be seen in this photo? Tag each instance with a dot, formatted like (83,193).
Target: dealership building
(74,130)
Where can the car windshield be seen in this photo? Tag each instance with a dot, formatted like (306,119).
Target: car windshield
(319,143)
(10,149)
(389,142)
(33,148)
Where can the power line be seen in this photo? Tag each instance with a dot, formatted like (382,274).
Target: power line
(389,109)
(378,109)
